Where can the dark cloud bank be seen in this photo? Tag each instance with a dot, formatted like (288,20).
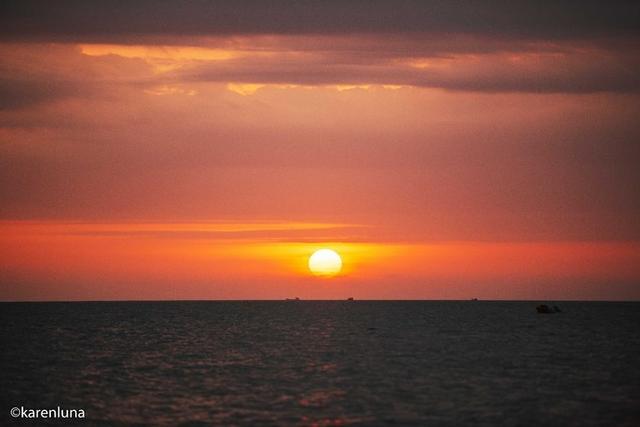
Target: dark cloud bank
(102,20)
(369,33)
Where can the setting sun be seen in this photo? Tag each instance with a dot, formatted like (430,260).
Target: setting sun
(325,262)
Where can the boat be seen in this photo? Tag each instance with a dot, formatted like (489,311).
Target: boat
(350,299)
(545,309)
(293,299)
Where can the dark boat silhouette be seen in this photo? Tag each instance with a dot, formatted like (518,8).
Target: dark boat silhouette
(350,299)
(545,309)
(293,299)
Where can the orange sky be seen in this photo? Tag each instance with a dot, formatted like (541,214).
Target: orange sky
(80,261)
(209,163)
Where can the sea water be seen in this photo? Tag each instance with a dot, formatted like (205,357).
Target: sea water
(423,363)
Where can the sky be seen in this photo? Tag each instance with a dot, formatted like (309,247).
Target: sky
(157,150)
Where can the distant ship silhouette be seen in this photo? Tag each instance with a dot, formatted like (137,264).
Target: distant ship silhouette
(545,309)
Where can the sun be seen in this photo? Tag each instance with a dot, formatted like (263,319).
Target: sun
(325,263)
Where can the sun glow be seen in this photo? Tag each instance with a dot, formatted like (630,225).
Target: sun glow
(325,263)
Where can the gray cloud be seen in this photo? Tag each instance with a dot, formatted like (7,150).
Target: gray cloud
(23,93)
(122,20)
(571,73)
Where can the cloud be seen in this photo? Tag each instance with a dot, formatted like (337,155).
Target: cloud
(212,230)
(22,93)
(99,21)
(33,74)
(427,164)
(247,63)
(570,70)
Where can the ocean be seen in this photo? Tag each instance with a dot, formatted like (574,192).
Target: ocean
(323,363)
